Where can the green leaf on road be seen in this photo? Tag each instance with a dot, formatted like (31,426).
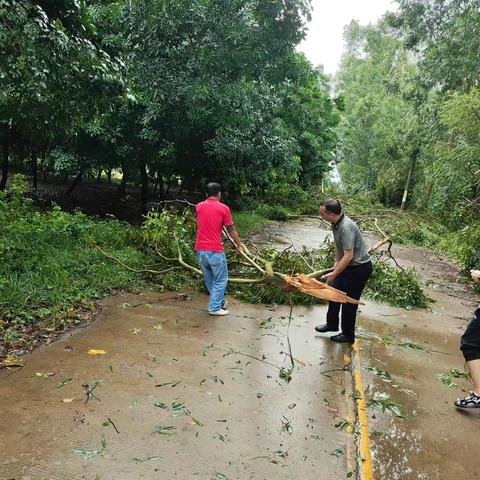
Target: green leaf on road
(146,459)
(165,430)
(337,452)
(64,382)
(173,384)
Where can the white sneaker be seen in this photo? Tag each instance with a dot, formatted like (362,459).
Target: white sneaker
(219,313)
(224,304)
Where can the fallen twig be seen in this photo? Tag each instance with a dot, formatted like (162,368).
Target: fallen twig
(252,357)
(154,272)
(290,301)
(113,425)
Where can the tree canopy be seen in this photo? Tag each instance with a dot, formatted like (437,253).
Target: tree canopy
(411,122)
(165,91)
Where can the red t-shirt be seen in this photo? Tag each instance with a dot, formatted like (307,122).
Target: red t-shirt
(212,215)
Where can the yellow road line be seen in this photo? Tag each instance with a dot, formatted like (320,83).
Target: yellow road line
(365,460)
(351,451)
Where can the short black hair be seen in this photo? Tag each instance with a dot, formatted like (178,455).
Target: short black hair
(213,189)
(332,205)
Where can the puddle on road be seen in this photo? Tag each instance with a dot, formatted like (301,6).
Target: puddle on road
(418,446)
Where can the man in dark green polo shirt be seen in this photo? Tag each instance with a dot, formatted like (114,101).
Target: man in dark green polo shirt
(352,269)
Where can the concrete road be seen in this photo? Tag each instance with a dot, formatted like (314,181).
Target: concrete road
(211,386)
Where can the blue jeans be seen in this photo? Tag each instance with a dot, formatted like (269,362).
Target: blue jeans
(215,273)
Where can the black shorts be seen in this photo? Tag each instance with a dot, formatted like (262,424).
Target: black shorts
(470,343)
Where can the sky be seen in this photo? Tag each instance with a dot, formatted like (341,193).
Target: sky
(324,42)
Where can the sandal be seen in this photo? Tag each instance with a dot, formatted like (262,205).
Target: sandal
(472,401)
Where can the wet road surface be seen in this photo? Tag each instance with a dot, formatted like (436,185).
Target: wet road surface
(232,415)
(211,387)
(433,441)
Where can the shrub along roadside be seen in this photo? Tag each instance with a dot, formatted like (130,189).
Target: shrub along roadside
(50,266)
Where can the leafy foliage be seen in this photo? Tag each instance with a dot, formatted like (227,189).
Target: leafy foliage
(165,92)
(447,378)
(390,285)
(447,33)
(286,262)
(411,118)
(50,265)
(383,401)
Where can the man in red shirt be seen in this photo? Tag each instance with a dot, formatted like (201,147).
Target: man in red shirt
(212,216)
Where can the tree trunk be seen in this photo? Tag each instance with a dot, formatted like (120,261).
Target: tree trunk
(34,161)
(99,174)
(75,183)
(161,186)
(144,190)
(109,175)
(3,181)
(122,189)
(414,156)
(428,195)
(44,166)
(167,191)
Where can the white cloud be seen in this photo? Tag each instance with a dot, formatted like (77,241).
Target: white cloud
(324,42)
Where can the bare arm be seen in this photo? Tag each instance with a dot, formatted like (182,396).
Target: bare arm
(340,267)
(233,233)
(337,255)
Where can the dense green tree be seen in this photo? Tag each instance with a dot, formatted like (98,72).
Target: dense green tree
(379,135)
(217,77)
(51,73)
(445,35)
(166,91)
(410,86)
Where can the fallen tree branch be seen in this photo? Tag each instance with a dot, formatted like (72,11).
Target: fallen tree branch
(166,202)
(320,273)
(291,281)
(290,301)
(231,351)
(163,257)
(243,254)
(113,425)
(153,272)
(247,280)
(186,265)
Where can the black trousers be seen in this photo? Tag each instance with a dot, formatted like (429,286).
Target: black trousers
(470,343)
(351,281)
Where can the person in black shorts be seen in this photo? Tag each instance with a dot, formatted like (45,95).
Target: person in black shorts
(470,347)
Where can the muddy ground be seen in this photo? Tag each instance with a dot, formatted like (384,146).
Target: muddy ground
(181,395)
